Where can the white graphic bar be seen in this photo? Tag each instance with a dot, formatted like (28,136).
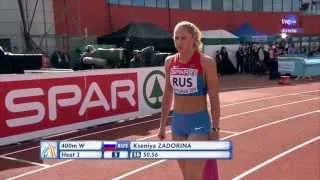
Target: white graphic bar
(181,145)
(180,155)
(80,145)
(80,155)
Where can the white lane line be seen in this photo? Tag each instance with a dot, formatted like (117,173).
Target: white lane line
(270,107)
(25,161)
(247,87)
(37,170)
(244,88)
(169,131)
(270,97)
(261,165)
(229,132)
(228,137)
(76,137)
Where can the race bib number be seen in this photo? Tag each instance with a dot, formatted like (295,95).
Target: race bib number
(184,80)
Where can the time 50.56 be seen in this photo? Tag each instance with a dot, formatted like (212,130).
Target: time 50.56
(149,154)
(144,154)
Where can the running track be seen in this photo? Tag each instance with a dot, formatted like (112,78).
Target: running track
(275,130)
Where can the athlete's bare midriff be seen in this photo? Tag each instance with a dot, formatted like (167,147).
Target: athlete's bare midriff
(189,104)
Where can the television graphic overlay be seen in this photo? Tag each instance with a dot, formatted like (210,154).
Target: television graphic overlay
(49,149)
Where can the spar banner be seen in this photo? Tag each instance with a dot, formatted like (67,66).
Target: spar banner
(38,105)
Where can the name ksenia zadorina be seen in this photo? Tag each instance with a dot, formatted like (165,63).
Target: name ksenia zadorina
(164,145)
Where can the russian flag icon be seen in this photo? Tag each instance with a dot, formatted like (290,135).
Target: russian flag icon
(109,145)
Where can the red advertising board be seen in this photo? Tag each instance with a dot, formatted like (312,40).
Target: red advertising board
(32,105)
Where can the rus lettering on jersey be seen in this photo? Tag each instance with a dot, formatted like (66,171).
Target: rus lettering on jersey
(184,80)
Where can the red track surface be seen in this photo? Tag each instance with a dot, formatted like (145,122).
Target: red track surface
(269,125)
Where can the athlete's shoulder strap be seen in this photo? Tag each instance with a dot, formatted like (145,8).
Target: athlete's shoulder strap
(197,60)
(172,60)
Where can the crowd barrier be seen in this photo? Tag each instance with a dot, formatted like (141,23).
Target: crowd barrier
(299,66)
(37,105)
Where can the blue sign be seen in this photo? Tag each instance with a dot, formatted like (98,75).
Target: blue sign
(289,24)
(289,21)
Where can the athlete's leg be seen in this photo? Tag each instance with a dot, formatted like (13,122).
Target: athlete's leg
(195,167)
(179,133)
(181,163)
(199,130)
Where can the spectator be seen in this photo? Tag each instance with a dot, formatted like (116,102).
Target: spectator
(246,59)
(67,59)
(226,65)
(2,52)
(136,61)
(267,58)
(15,49)
(260,64)
(254,59)
(45,61)
(56,59)
(274,63)
(240,60)
(60,59)
(218,61)
(292,50)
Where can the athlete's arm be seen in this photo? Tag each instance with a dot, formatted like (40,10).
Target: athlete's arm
(167,96)
(212,81)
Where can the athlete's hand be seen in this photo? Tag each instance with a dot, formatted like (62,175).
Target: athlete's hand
(214,136)
(162,133)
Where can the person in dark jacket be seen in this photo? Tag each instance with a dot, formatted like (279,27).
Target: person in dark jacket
(59,59)
(274,63)
(218,62)
(226,65)
(240,60)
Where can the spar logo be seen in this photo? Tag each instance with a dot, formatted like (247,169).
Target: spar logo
(43,103)
(152,89)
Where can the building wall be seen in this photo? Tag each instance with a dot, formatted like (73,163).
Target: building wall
(43,21)
(10,22)
(82,21)
(43,26)
(75,17)
(101,18)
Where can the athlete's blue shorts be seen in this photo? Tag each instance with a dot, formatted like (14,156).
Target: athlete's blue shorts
(183,125)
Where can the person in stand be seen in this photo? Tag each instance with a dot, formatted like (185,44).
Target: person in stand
(136,61)
(190,76)
(218,62)
(274,63)
(240,60)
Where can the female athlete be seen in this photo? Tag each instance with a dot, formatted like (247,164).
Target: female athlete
(190,77)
